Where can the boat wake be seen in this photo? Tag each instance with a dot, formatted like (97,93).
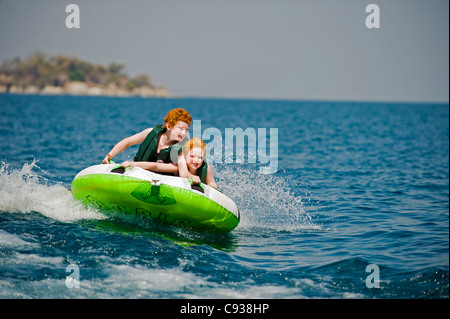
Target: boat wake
(26,190)
(264,201)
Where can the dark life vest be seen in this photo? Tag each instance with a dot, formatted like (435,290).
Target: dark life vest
(202,171)
(148,149)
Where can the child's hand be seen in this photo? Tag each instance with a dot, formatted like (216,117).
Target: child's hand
(195,179)
(107,159)
(128,163)
(213,184)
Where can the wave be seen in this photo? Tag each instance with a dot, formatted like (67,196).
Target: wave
(338,277)
(24,191)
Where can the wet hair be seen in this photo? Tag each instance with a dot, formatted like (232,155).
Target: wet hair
(177,115)
(193,143)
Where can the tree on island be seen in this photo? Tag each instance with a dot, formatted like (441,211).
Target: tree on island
(40,70)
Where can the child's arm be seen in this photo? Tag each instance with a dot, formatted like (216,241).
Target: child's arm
(182,167)
(210,178)
(183,170)
(154,167)
(125,143)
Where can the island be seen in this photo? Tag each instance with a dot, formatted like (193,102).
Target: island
(63,75)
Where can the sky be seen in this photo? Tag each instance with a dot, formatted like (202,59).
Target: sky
(264,49)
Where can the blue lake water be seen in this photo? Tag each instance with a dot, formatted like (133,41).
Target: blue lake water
(357,185)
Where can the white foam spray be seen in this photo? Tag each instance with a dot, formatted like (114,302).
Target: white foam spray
(25,191)
(266,201)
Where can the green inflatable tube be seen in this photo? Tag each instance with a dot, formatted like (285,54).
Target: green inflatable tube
(166,199)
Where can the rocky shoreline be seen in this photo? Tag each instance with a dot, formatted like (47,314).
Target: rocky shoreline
(63,75)
(81,88)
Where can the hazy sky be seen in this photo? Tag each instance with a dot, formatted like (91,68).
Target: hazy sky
(282,49)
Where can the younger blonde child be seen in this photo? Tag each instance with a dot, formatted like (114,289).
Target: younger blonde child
(194,152)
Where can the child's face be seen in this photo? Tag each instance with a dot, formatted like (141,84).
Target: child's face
(179,131)
(194,158)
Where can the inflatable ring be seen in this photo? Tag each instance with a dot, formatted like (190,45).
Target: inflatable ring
(169,200)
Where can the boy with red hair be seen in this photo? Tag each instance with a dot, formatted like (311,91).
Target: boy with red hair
(157,143)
